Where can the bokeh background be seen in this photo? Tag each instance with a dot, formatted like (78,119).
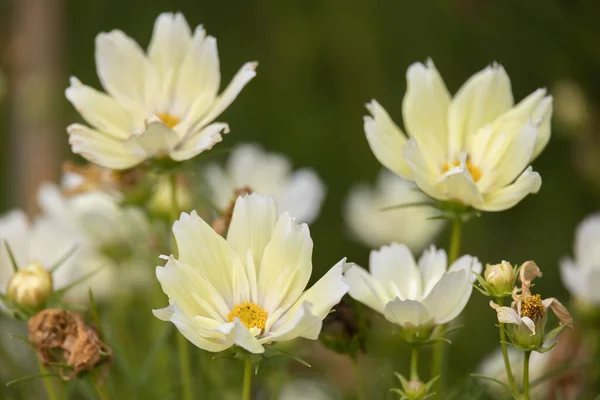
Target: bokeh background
(320,62)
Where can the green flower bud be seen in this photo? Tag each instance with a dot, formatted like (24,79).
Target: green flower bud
(30,287)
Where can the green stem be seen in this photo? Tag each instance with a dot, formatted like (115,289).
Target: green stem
(414,363)
(360,389)
(439,350)
(247,390)
(526,375)
(507,367)
(101,390)
(50,390)
(182,344)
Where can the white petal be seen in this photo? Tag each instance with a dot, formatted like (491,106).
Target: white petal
(506,315)
(425,109)
(385,139)
(302,195)
(286,265)
(238,334)
(364,288)
(220,187)
(252,224)
(407,313)
(156,140)
(484,97)
(573,278)
(432,266)
(467,263)
(449,296)
(299,322)
(394,267)
(200,141)
(422,173)
(509,196)
(529,323)
(199,335)
(244,75)
(200,247)
(100,149)
(100,110)
(14,229)
(123,70)
(457,184)
(587,242)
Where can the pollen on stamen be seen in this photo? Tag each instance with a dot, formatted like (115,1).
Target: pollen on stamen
(532,307)
(251,315)
(168,119)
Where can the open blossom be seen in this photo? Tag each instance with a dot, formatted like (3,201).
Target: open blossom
(251,169)
(160,104)
(411,294)
(475,148)
(527,314)
(582,274)
(248,289)
(369,223)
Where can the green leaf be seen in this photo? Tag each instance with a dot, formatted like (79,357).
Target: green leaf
(62,260)
(30,377)
(11,256)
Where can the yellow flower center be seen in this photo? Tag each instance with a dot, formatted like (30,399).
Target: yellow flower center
(473,169)
(532,307)
(250,314)
(168,119)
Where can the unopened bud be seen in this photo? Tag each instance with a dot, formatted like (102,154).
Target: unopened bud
(30,287)
(415,390)
(501,277)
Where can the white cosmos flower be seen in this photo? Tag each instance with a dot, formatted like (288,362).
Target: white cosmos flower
(371,225)
(411,294)
(111,238)
(248,289)
(474,148)
(299,192)
(581,276)
(159,104)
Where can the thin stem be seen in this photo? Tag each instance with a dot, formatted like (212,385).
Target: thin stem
(101,389)
(438,364)
(360,389)
(183,348)
(507,367)
(50,389)
(414,363)
(526,375)
(247,390)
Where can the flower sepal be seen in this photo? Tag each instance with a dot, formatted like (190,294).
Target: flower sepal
(414,389)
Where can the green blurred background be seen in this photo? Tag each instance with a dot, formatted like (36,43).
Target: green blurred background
(320,62)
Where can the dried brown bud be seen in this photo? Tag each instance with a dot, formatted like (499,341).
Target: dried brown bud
(78,344)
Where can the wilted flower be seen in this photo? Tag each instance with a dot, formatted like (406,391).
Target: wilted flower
(160,104)
(473,149)
(528,313)
(416,297)
(372,225)
(580,276)
(299,192)
(30,286)
(248,289)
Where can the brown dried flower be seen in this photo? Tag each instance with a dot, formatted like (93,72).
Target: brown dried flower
(93,177)
(61,336)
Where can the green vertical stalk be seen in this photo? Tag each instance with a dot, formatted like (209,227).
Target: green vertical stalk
(182,343)
(507,367)
(439,349)
(360,389)
(247,388)
(50,389)
(414,363)
(526,375)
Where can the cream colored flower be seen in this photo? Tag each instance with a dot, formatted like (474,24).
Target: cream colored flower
(371,225)
(249,167)
(581,276)
(474,148)
(247,289)
(159,104)
(111,239)
(411,294)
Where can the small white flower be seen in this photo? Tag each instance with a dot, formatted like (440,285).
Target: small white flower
(249,167)
(248,289)
(581,276)
(159,104)
(411,294)
(474,148)
(373,226)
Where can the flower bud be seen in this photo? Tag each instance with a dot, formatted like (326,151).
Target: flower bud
(501,277)
(415,390)
(30,287)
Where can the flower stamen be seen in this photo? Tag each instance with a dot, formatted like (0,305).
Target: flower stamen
(251,315)
(169,120)
(532,307)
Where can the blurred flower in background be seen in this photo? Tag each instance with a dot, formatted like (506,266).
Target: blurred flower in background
(158,105)
(305,389)
(581,275)
(250,168)
(474,148)
(370,224)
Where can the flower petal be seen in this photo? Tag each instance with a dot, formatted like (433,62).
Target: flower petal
(238,334)
(407,313)
(302,195)
(299,323)
(484,97)
(425,109)
(100,149)
(559,310)
(364,288)
(506,315)
(507,197)
(200,141)
(449,296)
(467,263)
(394,267)
(385,139)
(156,140)
(587,242)
(421,172)
(528,322)
(432,266)
(458,184)
(573,278)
